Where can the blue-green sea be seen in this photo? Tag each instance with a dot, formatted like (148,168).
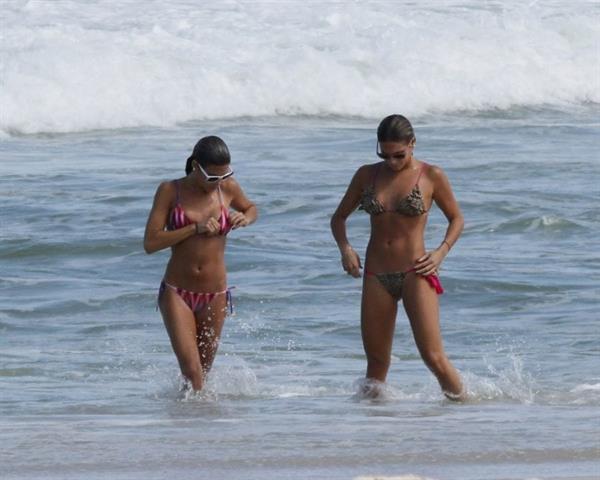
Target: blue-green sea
(89,385)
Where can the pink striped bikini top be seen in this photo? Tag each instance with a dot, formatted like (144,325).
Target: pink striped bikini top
(179,219)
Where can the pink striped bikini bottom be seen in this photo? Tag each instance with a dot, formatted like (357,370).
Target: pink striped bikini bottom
(196,301)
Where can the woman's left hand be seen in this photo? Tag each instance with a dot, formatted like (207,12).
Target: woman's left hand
(238,219)
(429,264)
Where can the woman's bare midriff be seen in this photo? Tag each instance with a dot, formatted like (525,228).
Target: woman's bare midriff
(396,242)
(198,264)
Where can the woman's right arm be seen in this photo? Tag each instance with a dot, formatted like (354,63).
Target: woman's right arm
(350,259)
(156,237)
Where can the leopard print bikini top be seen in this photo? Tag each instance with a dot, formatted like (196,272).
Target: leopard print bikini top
(411,205)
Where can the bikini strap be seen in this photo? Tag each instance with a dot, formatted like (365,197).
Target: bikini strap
(222,202)
(375,173)
(421,170)
(224,217)
(220,197)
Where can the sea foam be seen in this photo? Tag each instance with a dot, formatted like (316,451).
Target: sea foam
(74,65)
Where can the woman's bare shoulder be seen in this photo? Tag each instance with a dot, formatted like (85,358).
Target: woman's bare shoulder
(230,186)
(433,172)
(166,187)
(166,192)
(365,172)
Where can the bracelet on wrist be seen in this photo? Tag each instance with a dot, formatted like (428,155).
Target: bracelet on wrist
(447,244)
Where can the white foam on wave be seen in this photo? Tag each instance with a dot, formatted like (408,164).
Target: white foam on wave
(586,387)
(77,65)
(584,394)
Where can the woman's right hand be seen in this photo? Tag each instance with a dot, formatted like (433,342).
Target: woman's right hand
(351,262)
(210,228)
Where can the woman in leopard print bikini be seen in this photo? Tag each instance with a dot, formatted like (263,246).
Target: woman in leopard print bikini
(397,194)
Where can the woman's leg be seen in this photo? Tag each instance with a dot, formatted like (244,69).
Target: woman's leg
(181,326)
(422,308)
(209,324)
(377,320)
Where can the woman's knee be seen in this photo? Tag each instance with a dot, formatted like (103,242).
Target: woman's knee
(436,361)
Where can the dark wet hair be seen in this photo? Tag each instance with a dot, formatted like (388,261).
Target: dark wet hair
(395,128)
(209,150)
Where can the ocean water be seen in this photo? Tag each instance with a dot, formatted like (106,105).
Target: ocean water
(99,104)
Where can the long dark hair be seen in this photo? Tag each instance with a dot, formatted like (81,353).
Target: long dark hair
(209,150)
(395,128)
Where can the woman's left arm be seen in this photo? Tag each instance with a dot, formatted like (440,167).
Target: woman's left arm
(245,211)
(444,199)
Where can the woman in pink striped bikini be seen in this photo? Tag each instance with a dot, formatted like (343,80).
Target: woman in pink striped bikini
(191,215)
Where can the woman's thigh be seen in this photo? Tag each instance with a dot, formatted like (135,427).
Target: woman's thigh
(180,323)
(378,318)
(422,308)
(210,321)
